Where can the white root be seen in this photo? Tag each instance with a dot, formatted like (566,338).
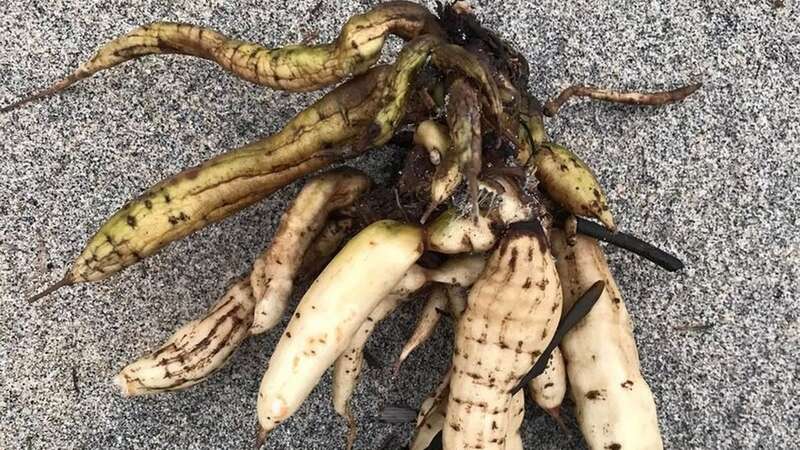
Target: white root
(549,388)
(613,404)
(325,245)
(428,319)
(434,138)
(460,271)
(362,274)
(348,366)
(512,312)
(275,269)
(195,350)
(432,412)
(202,346)
(516,414)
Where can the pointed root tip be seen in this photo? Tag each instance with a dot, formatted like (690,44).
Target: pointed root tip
(352,429)
(607,220)
(550,108)
(595,291)
(24,101)
(261,437)
(555,413)
(65,281)
(47,92)
(123,386)
(256,329)
(10,107)
(691,89)
(396,367)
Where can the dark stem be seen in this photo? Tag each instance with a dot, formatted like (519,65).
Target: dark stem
(575,314)
(630,243)
(436,443)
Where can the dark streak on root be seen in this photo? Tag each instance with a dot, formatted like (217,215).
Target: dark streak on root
(628,98)
(67,280)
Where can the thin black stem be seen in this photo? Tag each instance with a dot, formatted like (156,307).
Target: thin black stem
(575,314)
(630,243)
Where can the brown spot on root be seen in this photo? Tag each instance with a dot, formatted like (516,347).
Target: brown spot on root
(288,335)
(191,174)
(131,221)
(594,395)
(466,241)
(148,204)
(512,262)
(527,283)
(614,446)
(297,314)
(627,384)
